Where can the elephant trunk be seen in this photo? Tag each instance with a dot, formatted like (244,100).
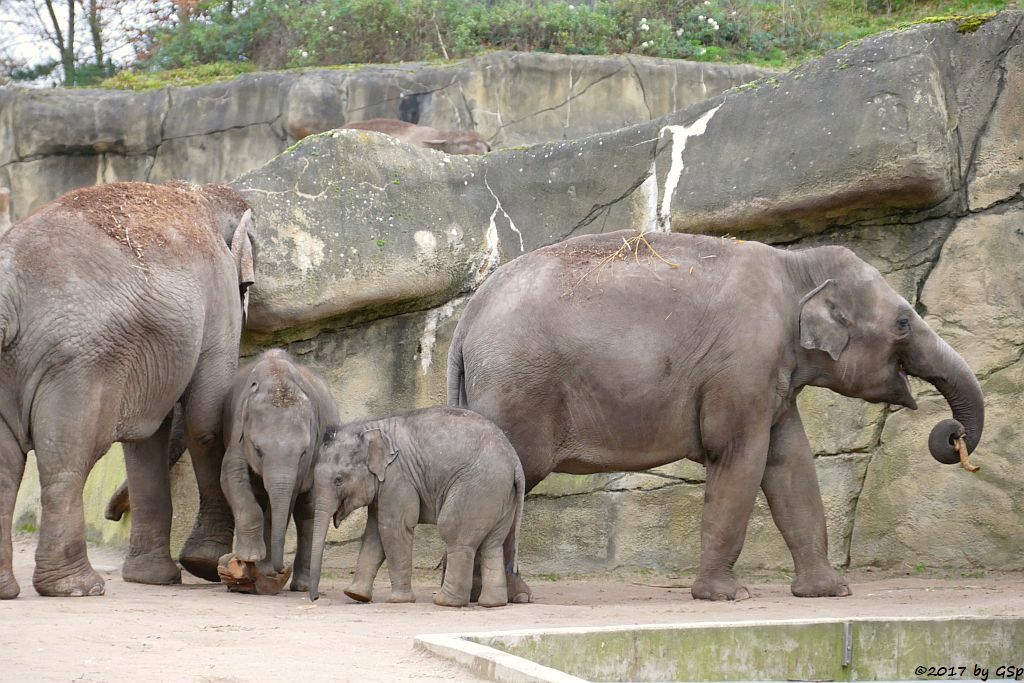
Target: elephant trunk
(934,361)
(280,493)
(316,558)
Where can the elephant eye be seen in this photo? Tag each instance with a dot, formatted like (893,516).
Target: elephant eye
(339,480)
(903,326)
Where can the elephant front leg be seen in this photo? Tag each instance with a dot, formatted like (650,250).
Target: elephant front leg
(371,557)
(250,542)
(149,557)
(791,485)
(12,468)
(398,510)
(304,514)
(733,474)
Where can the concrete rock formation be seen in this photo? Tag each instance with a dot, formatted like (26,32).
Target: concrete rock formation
(52,141)
(904,147)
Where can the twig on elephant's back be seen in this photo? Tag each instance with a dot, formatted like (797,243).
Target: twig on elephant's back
(630,245)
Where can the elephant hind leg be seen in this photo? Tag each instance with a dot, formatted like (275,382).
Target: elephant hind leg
(149,557)
(62,564)
(12,468)
(458,577)
(493,581)
(214,526)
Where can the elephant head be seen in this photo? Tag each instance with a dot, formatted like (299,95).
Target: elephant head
(351,467)
(233,218)
(862,339)
(277,439)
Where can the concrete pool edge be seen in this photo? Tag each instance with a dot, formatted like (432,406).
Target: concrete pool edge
(494,664)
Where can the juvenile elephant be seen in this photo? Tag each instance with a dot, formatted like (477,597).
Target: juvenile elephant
(624,352)
(116,302)
(274,419)
(443,466)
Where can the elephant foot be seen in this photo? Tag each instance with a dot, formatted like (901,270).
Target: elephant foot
(155,569)
(446,599)
(9,588)
(398,596)
(117,505)
(300,582)
(723,587)
(82,583)
(199,557)
(519,591)
(360,592)
(822,584)
(493,597)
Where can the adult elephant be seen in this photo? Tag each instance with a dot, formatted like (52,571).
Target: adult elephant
(116,302)
(624,352)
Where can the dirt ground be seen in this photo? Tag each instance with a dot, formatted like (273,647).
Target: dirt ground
(200,632)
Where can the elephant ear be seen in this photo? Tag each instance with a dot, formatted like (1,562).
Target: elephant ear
(241,252)
(822,325)
(379,452)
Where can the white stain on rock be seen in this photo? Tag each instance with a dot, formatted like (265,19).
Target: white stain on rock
(498,207)
(680,134)
(492,254)
(426,243)
(649,193)
(429,336)
(309,249)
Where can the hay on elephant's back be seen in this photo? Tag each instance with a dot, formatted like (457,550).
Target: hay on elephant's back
(143,217)
(587,259)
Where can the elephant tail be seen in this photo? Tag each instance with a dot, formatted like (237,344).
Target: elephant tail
(456,374)
(517,521)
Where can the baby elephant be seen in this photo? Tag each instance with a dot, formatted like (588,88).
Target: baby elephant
(445,466)
(274,418)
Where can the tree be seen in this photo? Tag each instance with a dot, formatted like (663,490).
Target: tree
(73,39)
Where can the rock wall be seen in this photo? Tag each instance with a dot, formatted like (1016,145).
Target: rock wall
(52,141)
(904,147)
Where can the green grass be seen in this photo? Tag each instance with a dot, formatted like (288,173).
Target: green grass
(350,33)
(200,74)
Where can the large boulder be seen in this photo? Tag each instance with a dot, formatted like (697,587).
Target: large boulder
(219,131)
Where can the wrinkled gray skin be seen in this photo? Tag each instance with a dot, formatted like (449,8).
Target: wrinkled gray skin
(100,338)
(634,364)
(274,419)
(449,141)
(119,502)
(441,465)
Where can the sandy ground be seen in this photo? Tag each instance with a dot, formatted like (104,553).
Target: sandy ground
(200,632)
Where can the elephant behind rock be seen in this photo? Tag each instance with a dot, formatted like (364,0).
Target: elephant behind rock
(274,419)
(627,351)
(441,465)
(449,141)
(116,302)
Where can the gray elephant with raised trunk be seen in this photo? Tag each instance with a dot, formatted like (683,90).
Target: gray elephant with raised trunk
(116,302)
(441,465)
(274,420)
(627,351)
